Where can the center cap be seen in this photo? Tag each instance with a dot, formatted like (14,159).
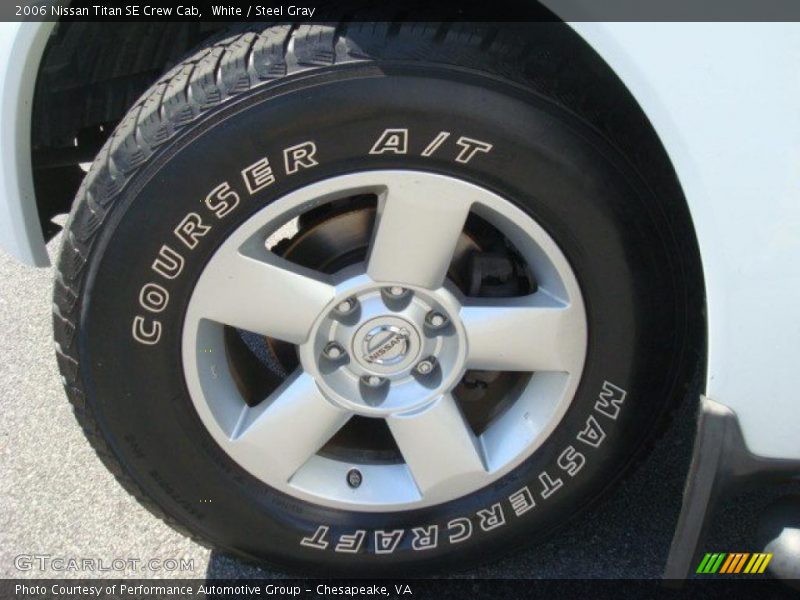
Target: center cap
(381,349)
(386,344)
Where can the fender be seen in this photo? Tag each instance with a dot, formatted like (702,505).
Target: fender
(21,49)
(722,97)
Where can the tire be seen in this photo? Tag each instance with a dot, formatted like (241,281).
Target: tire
(119,322)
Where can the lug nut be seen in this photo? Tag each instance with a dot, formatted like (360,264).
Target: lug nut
(396,291)
(425,366)
(372,380)
(333,351)
(346,306)
(354,478)
(436,320)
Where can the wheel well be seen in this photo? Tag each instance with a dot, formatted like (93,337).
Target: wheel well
(89,76)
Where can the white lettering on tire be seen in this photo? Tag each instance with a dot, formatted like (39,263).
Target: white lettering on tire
(425,538)
(391,140)
(146,331)
(470,148)
(570,461)
(318,539)
(549,485)
(168,263)
(153,297)
(387,541)
(522,501)
(461,530)
(395,140)
(351,543)
(440,139)
(222,200)
(610,400)
(191,229)
(593,434)
(300,156)
(258,176)
(492,518)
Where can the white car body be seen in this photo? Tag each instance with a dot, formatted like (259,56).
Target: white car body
(722,97)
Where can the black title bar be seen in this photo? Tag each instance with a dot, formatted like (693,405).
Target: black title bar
(403,10)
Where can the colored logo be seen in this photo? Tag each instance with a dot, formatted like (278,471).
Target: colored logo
(734,563)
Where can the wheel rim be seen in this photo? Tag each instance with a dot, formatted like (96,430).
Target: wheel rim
(386,339)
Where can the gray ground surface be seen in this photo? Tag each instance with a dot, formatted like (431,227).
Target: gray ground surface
(58,499)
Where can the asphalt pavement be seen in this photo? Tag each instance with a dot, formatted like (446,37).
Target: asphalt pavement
(58,500)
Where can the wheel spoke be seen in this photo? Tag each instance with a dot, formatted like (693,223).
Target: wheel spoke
(439,447)
(534,333)
(417,228)
(264,294)
(288,428)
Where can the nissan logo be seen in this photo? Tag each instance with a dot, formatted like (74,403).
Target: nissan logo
(385,345)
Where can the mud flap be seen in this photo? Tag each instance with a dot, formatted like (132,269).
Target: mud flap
(720,463)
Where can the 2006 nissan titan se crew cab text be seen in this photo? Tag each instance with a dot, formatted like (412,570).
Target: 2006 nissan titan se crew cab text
(401,296)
